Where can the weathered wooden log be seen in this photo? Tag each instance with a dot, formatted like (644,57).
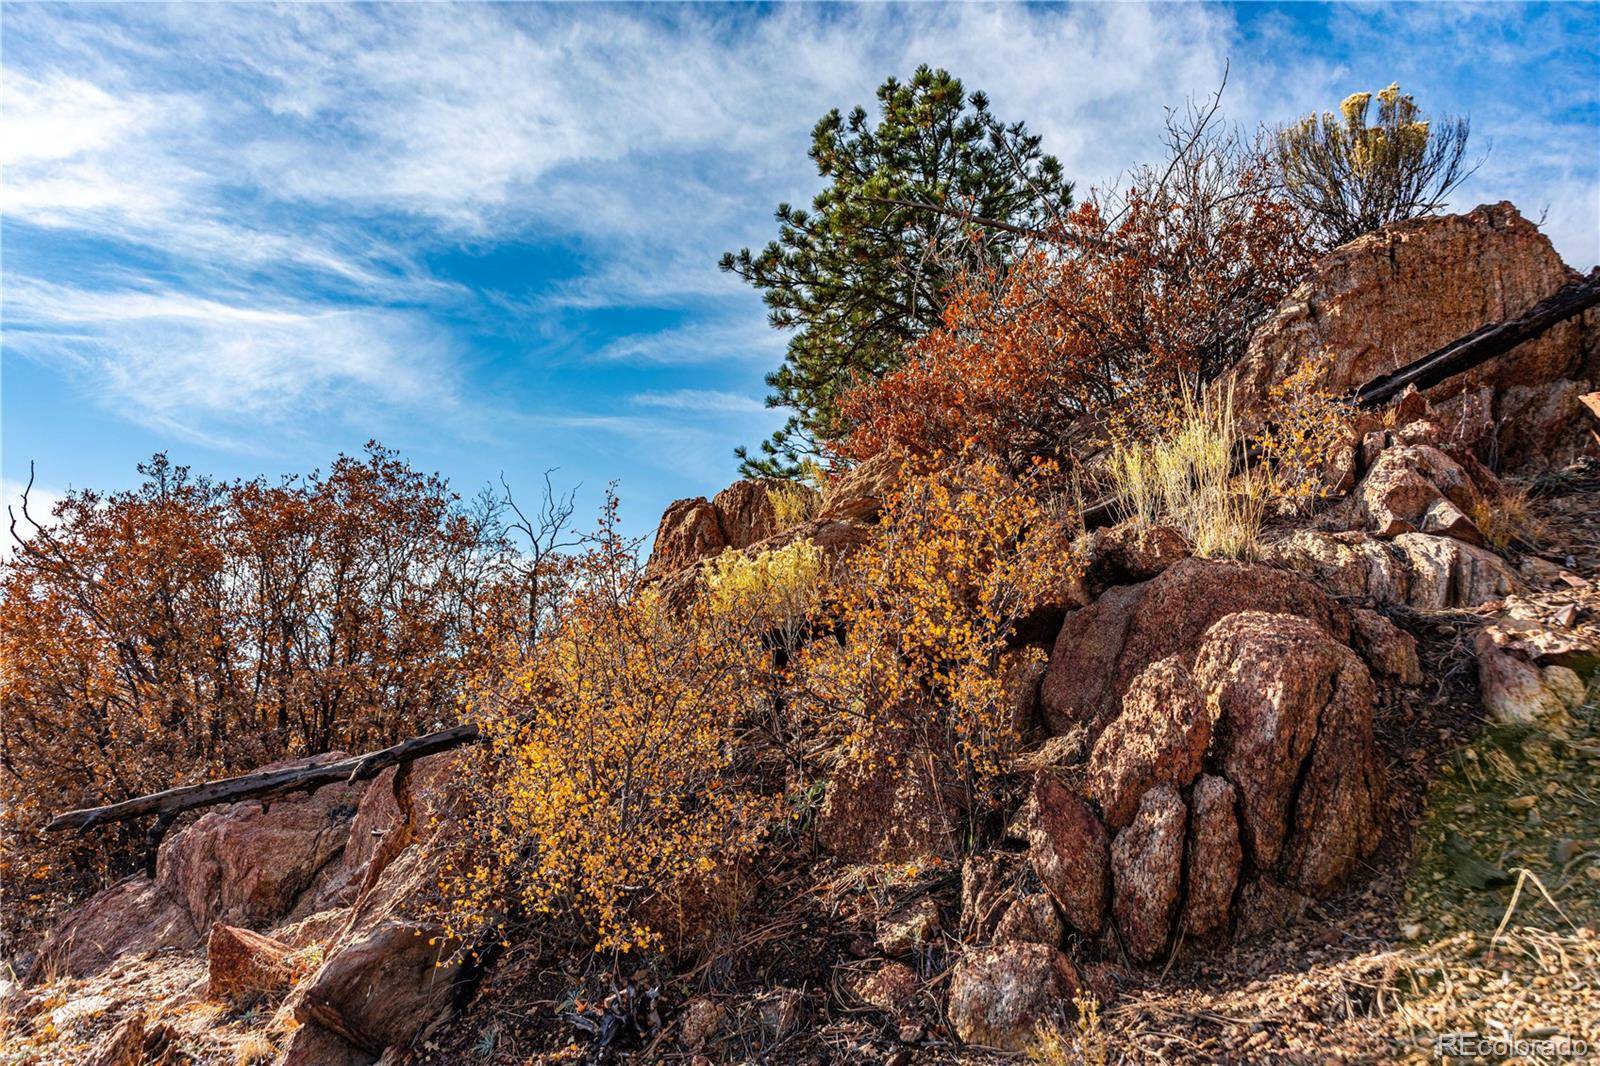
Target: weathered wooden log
(263,783)
(1484,343)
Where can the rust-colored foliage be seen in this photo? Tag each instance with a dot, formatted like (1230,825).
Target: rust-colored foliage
(1125,305)
(188,629)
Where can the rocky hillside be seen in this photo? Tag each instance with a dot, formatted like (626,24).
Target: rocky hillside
(1266,810)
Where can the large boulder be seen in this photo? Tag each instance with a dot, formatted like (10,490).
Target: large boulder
(131,918)
(888,806)
(248,864)
(1160,738)
(690,530)
(858,494)
(1241,749)
(1295,738)
(388,974)
(1213,858)
(1103,647)
(1419,570)
(1394,296)
(745,512)
(998,994)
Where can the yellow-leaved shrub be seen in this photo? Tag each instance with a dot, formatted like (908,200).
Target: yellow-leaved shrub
(606,785)
(963,553)
(778,589)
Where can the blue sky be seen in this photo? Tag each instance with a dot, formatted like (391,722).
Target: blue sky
(487,235)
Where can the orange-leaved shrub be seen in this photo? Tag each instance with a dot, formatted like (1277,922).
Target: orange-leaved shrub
(1125,305)
(608,784)
(964,552)
(189,628)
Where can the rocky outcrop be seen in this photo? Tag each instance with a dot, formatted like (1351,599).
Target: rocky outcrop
(1394,296)
(131,918)
(291,874)
(997,994)
(745,512)
(689,531)
(1429,573)
(1102,647)
(249,864)
(1240,748)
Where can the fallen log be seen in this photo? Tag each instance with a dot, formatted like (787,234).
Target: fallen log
(262,784)
(1483,344)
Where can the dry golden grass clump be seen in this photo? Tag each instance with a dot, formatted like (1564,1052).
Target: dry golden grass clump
(1186,479)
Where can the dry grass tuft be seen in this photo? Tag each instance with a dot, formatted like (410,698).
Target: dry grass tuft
(1508,520)
(793,503)
(252,1050)
(1186,480)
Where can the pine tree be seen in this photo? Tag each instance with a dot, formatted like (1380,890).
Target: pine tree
(863,273)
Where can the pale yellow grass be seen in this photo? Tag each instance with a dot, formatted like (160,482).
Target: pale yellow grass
(1187,480)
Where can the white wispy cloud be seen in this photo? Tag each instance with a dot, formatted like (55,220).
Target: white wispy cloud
(716,340)
(287,179)
(222,373)
(705,401)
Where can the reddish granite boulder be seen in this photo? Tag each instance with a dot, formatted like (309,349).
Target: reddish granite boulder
(1295,737)
(1396,295)
(1213,858)
(1067,847)
(745,513)
(1147,872)
(1103,647)
(690,530)
(1160,738)
(249,864)
(998,994)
